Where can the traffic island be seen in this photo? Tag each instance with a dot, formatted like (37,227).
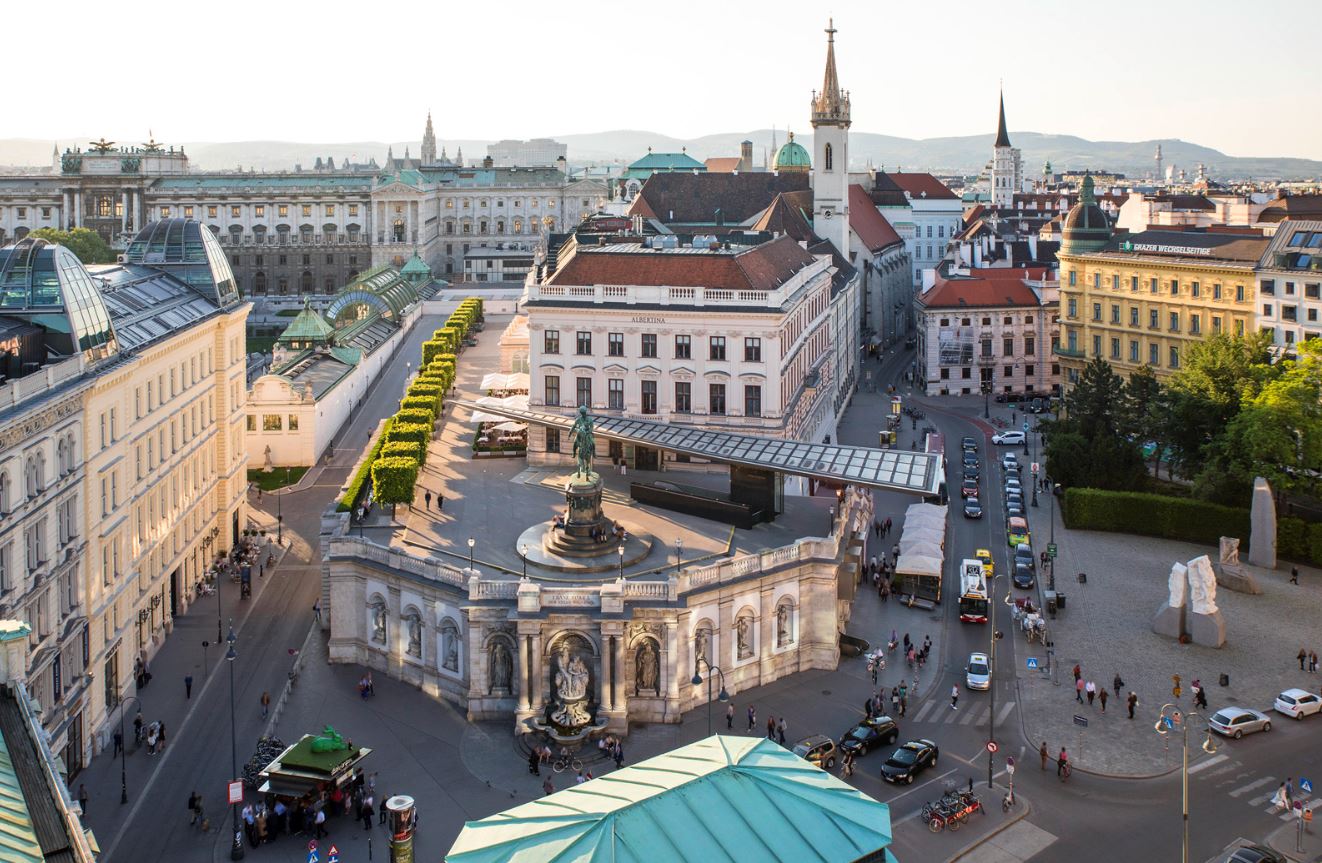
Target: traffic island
(916,840)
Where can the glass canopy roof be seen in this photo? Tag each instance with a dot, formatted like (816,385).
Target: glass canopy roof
(896,470)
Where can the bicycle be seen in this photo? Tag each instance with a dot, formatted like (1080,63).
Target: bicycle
(566,762)
(1063,770)
(1009,801)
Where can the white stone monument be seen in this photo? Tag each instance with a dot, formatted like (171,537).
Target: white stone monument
(1230,573)
(1262,518)
(1169,619)
(1204,621)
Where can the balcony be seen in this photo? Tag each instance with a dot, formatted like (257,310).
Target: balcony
(1068,352)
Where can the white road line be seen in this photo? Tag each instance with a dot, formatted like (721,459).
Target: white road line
(921,716)
(1210,762)
(1257,783)
(1004,712)
(1258,801)
(971,715)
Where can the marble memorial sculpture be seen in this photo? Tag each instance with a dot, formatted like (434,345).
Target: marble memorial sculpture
(782,625)
(379,623)
(743,634)
(1230,573)
(502,667)
(1169,619)
(449,647)
(700,640)
(648,667)
(1262,521)
(571,687)
(415,635)
(1204,621)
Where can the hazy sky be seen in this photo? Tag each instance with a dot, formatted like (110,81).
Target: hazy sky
(1230,75)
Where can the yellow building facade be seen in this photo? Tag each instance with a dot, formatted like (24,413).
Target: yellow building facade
(1143,298)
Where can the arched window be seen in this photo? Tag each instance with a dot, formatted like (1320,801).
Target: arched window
(4,492)
(71,452)
(59,457)
(829,158)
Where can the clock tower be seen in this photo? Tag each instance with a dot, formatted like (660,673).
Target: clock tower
(830,163)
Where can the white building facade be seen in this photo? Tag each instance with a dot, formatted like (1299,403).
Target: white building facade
(1289,285)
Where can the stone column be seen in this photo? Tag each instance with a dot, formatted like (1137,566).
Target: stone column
(123,210)
(414,222)
(613,700)
(77,209)
(538,671)
(66,209)
(395,635)
(676,667)
(528,674)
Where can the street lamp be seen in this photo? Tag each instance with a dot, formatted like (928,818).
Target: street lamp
(986,399)
(679,551)
(621,550)
(1165,722)
(280,514)
(123,778)
(523,550)
(471,542)
(236,850)
(724,697)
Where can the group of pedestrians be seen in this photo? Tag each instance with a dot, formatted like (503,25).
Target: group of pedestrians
(1308,658)
(267,818)
(776,729)
(366,689)
(881,526)
(1091,692)
(152,734)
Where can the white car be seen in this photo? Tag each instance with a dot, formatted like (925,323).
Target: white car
(1237,721)
(977,674)
(1010,463)
(1297,703)
(1008,438)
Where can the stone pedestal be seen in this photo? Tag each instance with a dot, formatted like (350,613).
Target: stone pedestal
(1232,576)
(1169,621)
(584,521)
(1209,630)
(1262,519)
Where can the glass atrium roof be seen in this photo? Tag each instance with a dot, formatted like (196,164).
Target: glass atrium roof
(188,251)
(48,286)
(896,470)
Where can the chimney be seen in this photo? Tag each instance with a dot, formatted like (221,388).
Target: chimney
(488,162)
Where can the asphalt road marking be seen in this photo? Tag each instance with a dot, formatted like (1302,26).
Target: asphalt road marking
(1004,712)
(1245,789)
(1210,762)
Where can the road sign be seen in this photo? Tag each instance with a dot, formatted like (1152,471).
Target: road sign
(333,855)
(234,792)
(1081,721)
(313,857)
(1035,467)
(1009,764)
(312,844)
(1032,663)
(991,746)
(1305,785)
(1025,426)
(1051,550)
(1166,721)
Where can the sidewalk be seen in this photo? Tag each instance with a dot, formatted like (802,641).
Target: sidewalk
(1285,840)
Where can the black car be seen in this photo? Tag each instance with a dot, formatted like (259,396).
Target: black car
(970,460)
(909,760)
(1023,556)
(972,509)
(1023,576)
(971,473)
(969,445)
(1014,510)
(869,734)
(1255,854)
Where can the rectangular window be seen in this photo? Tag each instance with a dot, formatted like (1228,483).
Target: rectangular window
(1312,291)
(1030,346)
(1175,357)
(752,350)
(1073,278)
(716,350)
(1216,323)
(1175,322)
(1152,286)
(1096,311)
(270,422)
(1195,324)
(211,212)
(649,345)
(552,383)
(683,347)
(1115,314)
(1133,316)
(1133,350)
(649,397)
(353,209)
(1097,346)
(1115,282)
(1096,281)
(330,209)
(1072,310)
(583,392)
(1133,283)
(1216,291)
(1154,354)
(259,211)
(1239,293)
(1175,287)
(1289,313)
(752,401)
(1154,318)
(615,394)
(553,440)
(1115,349)
(716,399)
(551,342)
(282,210)
(1195,289)
(583,343)
(683,397)
(293,422)
(252,423)
(1268,287)
(1007,347)
(615,344)
(1266,310)
(234,212)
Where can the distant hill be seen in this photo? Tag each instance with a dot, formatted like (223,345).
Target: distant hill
(965,155)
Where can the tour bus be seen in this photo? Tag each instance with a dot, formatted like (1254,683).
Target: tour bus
(972,592)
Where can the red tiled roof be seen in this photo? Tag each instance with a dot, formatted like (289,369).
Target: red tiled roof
(1035,274)
(870,225)
(786,215)
(1292,207)
(973,213)
(696,198)
(922,186)
(990,288)
(722,164)
(761,268)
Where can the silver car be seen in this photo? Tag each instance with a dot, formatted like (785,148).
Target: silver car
(1237,721)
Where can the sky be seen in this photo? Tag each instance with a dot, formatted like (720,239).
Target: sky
(1219,73)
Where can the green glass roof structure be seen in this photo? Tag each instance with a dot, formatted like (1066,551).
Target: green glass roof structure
(724,798)
(307,326)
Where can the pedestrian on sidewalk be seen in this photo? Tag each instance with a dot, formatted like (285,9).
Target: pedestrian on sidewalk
(954,697)
(548,787)
(316,611)
(876,527)
(1078,672)
(1312,661)
(426,499)
(1294,575)
(780,729)
(266,704)
(895,701)
(1078,689)
(195,807)
(137,728)
(619,753)
(888,524)
(188,687)
(384,815)
(160,730)
(729,717)
(1132,701)
(1062,761)
(320,821)
(534,759)
(366,814)
(1118,684)
(1091,689)
(82,797)
(440,502)
(1103,696)
(752,717)
(1302,656)
(119,743)
(1043,752)
(771,728)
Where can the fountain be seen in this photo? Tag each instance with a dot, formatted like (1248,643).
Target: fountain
(570,717)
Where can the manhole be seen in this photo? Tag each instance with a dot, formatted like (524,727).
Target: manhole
(826,692)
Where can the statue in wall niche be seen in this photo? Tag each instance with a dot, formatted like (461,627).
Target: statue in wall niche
(415,635)
(450,648)
(782,625)
(648,665)
(700,640)
(1176,583)
(379,623)
(1202,586)
(743,631)
(1229,551)
(501,666)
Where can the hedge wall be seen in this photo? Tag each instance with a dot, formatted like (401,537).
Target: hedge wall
(393,479)
(416,432)
(420,416)
(355,489)
(430,350)
(420,389)
(419,403)
(403,449)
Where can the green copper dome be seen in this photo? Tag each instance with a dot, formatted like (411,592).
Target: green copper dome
(792,157)
(1087,228)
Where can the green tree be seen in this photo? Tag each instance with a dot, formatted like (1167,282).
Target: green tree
(393,480)
(1147,412)
(83,242)
(1089,445)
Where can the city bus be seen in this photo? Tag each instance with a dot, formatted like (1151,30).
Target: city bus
(972,592)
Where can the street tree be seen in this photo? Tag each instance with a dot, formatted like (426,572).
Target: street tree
(83,242)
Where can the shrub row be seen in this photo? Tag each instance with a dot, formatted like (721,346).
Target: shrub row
(355,489)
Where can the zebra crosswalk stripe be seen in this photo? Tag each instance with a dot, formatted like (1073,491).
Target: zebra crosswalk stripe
(1245,789)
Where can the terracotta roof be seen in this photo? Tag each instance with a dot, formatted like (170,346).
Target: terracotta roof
(723,164)
(991,288)
(760,268)
(1292,207)
(696,198)
(923,186)
(870,225)
(1221,246)
(974,212)
(788,215)
(1017,274)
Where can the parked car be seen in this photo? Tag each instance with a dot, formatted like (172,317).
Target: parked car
(1014,510)
(971,473)
(1023,554)
(969,488)
(1010,464)
(1016,532)
(1037,405)
(977,673)
(909,760)
(817,749)
(1023,576)
(984,555)
(972,509)
(1008,438)
(1297,703)
(1255,854)
(1012,484)
(968,444)
(1009,398)
(1237,721)
(870,733)
(1014,498)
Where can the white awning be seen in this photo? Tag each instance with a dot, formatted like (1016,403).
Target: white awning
(498,381)
(519,403)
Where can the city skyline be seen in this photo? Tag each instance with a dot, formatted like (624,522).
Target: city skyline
(894,69)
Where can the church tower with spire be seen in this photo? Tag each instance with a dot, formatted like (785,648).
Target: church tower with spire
(429,143)
(1007,174)
(830,163)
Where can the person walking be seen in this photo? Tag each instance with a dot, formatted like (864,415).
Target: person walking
(1312,661)
(548,787)
(1062,763)
(1078,672)
(1043,752)
(534,759)
(1103,695)
(1132,701)
(619,751)
(895,701)
(771,727)
(954,697)
(1118,684)
(366,814)
(194,807)
(188,687)
(426,500)
(316,611)
(266,704)
(319,820)
(1302,656)
(137,728)
(440,501)
(1091,689)
(82,797)
(1078,689)
(729,717)
(1294,575)
(119,743)
(752,717)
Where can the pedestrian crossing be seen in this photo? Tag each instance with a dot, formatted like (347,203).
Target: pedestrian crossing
(937,712)
(1224,772)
